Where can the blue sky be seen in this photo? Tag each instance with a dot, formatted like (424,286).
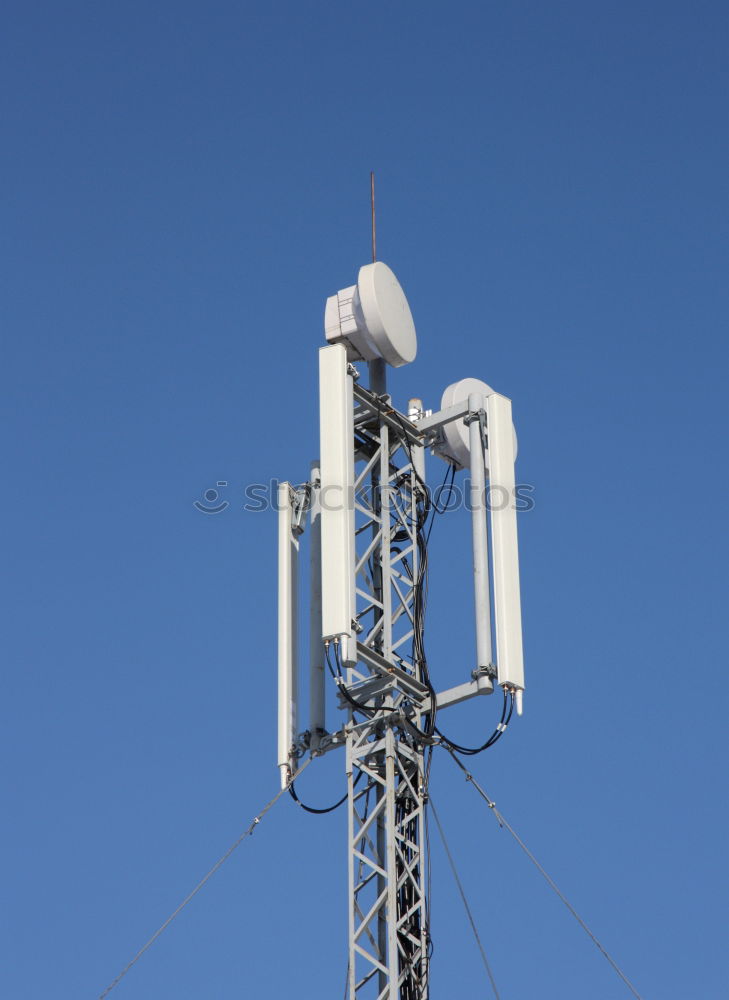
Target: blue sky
(183,185)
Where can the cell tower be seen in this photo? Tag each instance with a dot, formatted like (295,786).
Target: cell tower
(368,508)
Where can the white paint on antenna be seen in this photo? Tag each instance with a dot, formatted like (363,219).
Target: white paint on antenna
(504,545)
(336,438)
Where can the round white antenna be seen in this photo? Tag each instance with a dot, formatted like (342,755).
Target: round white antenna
(456,433)
(372,318)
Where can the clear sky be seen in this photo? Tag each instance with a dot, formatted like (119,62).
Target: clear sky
(182,186)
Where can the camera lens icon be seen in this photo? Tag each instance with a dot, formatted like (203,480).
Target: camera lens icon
(210,498)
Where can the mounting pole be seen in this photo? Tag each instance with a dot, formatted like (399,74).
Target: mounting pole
(480,533)
(378,376)
(288,559)
(372,213)
(317,695)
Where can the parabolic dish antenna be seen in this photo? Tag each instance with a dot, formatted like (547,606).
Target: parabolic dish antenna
(372,318)
(456,432)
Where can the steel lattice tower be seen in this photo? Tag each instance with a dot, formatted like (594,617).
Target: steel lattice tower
(388,924)
(367,507)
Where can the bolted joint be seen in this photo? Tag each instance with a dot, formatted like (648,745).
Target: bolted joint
(479,415)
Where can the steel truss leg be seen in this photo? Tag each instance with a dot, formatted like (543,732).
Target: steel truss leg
(387,905)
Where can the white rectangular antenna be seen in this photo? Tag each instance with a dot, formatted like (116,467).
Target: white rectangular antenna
(317,693)
(504,547)
(288,555)
(336,430)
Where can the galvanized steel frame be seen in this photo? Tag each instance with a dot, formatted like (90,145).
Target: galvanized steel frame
(388,920)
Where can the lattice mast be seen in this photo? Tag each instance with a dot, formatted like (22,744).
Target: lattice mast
(368,508)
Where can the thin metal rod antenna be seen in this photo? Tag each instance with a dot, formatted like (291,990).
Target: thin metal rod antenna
(372,212)
(377,368)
